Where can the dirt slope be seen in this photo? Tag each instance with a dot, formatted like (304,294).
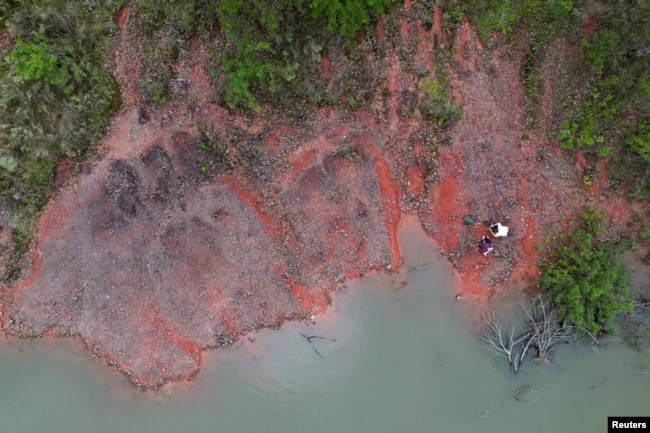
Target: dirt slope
(151,255)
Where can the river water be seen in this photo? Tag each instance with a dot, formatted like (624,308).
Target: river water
(404,359)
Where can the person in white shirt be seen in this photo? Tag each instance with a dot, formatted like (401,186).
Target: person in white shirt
(498,230)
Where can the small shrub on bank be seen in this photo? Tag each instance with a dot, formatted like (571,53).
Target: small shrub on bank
(437,105)
(639,141)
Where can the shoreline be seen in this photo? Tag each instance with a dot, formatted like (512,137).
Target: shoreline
(152,254)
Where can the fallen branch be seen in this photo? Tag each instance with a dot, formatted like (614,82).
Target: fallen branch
(311,337)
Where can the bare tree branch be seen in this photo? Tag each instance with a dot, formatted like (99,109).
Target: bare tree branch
(494,340)
(541,317)
(543,335)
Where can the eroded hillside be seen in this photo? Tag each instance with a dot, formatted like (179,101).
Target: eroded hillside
(196,224)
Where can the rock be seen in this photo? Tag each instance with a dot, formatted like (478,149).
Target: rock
(526,393)
(468,220)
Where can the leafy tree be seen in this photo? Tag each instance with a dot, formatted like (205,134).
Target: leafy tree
(586,279)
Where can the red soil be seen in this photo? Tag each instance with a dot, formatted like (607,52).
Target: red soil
(6,41)
(591,24)
(325,66)
(381,31)
(150,258)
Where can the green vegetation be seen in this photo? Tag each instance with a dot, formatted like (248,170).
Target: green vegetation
(346,17)
(586,279)
(248,71)
(539,21)
(273,49)
(612,111)
(607,103)
(264,51)
(55,97)
(638,140)
(34,62)
(436,104)
(585,127)
(505,15)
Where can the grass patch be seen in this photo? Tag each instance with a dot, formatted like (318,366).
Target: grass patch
(436,104)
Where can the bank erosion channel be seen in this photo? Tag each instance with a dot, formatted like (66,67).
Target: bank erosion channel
(392,358)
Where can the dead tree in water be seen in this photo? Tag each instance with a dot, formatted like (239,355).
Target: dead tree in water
(546,330)
(507,346)
(544,333)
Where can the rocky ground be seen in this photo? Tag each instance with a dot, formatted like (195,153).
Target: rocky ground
(174,240)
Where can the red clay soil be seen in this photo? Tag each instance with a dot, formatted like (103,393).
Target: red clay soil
(151,256)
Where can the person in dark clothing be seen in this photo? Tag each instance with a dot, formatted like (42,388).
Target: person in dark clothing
(485,246)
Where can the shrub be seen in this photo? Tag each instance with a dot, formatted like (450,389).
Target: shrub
(39,62)
(436,104)
(590,124)
(639,141)
(347,17)
(586,279)
(246,71)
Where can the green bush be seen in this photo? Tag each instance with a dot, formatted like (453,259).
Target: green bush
(247,71)
(639,140)
(601,50)
(347,17)
(437,105)
(586,279)
(40,62)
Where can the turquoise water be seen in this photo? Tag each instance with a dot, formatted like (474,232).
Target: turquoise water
(405,359)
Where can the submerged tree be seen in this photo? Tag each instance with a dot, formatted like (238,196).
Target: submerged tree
(503,343)
(542,333)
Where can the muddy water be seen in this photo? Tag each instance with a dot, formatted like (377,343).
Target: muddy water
(404,359)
